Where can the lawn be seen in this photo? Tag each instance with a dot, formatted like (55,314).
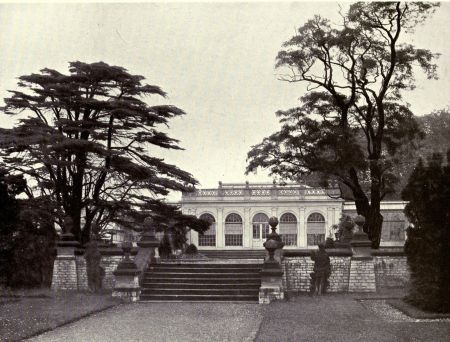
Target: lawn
(29,312)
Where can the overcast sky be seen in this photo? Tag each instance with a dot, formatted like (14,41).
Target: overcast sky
(215,61)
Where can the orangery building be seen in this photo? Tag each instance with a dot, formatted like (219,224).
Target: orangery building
(239,215)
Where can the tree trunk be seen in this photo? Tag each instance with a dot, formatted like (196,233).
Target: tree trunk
(375,219)
(370,210)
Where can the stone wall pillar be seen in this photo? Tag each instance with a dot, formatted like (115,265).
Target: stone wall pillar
(362,269)
(148,247)
(272,275)
(65,273)
(126,284)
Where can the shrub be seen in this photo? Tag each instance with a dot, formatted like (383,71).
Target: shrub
(191,249)
(428,243)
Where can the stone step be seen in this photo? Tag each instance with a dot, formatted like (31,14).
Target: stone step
(203,270)
(195,285)
(196,281)
(226,254)
(207,265)
(205,280)
(221,298)
(201,275)
(188,292)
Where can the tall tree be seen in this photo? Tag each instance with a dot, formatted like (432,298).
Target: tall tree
(87,142)
(352,120)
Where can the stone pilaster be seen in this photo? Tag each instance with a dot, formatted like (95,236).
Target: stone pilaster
(220,234)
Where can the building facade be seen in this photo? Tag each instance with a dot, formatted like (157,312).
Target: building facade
(239,215)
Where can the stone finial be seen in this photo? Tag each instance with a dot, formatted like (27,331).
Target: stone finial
(148,237)
(148,221)
(273,222)
(359,221)
(127,264)
(271,246)
(67,238)
(68,224)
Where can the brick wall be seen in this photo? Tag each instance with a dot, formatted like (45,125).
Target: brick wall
(391,271)
(362,275)
(70,273)
(109,264)
(65,274)
(386,269)
(340,271)
(297,271)
(81,272)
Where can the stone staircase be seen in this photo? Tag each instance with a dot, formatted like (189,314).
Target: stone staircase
(200,281)
(234,254)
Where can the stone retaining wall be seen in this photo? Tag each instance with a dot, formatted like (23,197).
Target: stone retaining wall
(386,269)
(391,271)
(297,266)
(70,273)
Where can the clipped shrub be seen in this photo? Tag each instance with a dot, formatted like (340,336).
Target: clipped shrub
(329,243)
(191,249)
(428,243)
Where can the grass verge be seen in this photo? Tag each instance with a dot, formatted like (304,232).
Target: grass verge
(414,312)
(24,314)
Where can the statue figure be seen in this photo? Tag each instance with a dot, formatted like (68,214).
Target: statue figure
(322,270)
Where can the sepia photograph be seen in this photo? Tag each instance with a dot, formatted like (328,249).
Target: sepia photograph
(224,171)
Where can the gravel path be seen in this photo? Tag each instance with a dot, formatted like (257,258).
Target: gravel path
(165,322)
(341,318)
(334,317)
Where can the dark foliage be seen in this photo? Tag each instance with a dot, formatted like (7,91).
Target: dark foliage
(27,236)
(9,217)
(428,243)
(191,249)
(33,255)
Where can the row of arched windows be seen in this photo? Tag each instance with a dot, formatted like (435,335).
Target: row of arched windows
(260,223)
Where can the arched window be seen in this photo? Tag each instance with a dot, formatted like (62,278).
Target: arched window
(288,229)
(233,230)
(315,229)
(208,238)
(260,226)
